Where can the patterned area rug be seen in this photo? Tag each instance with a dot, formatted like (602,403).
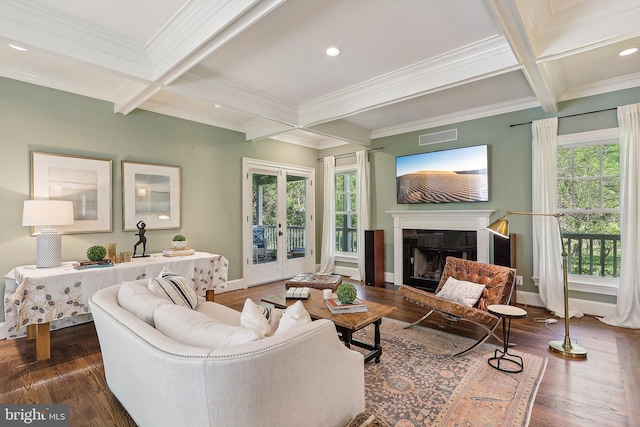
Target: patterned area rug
(419,383)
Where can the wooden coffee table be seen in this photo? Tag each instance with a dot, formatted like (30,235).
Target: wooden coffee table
(347,323)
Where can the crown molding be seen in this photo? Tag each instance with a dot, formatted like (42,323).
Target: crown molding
(455,68)
(57,35)
(342,131)
(88,89)
(306,142)
(605,86)
(155,106)
(296,140)
(463,116)
(261,129)
(202,84)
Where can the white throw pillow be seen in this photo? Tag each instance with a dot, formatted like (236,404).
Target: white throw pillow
(263,320)
(460,291)
(219,312)
(138,300)
(293,317)
(193,328)
(174,288)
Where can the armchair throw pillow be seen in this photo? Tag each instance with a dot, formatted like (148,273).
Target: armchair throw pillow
(460,291)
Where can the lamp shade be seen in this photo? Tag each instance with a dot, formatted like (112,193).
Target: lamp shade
(47,213)
(500,227)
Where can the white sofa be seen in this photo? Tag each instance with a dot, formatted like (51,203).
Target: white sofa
(304,377)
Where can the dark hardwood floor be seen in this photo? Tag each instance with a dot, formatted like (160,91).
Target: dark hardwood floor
(603,390)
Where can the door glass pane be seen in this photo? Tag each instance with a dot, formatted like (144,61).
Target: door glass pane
(296,216)
(265,216)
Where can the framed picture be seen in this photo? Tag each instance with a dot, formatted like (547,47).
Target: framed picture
(150,193)
(84,181)
(447,176)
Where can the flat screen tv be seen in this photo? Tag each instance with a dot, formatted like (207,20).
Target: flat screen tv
(448,176)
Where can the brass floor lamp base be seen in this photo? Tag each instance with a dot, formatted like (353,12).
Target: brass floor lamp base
(575,351)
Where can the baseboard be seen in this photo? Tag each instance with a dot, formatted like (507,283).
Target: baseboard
(232,285)
(593,308)
(346,271)
(351,272)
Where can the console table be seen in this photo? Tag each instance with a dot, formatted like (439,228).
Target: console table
(36,297)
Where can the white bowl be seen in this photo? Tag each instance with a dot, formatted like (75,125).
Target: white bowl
(179,244)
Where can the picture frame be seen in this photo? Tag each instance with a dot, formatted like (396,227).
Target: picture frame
(151,193)
(85,181)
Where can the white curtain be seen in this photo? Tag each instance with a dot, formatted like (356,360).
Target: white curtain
(628,301)
(362,208)
(328,250)
(547,245)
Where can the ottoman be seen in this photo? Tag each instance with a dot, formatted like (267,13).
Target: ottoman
(316,281)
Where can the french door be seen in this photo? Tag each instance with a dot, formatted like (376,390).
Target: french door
(278,221)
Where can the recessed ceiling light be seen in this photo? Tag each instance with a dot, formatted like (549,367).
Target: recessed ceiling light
(217,105)
(333,51)
(628,51)
(13,46)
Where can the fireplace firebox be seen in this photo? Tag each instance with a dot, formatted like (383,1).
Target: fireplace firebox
(425,251)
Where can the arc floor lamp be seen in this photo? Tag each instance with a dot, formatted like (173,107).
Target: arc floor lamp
(566,348)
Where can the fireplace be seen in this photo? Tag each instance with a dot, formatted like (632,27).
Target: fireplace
(424,253)
(447,226)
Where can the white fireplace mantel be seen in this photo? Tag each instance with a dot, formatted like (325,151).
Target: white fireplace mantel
(463,220)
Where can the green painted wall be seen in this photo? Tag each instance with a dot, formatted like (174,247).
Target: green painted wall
(509,165)
(39,119)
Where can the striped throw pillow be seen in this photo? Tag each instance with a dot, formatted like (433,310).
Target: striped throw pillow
(174,288)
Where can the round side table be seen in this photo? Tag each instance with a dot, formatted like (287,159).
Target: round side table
(506,312)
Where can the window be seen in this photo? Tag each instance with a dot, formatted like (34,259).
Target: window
(346,218)
(588,175)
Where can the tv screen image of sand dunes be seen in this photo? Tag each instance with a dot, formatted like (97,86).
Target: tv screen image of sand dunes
(446,176)
(442,187)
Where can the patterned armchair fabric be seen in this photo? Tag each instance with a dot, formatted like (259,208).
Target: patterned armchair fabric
(499,282)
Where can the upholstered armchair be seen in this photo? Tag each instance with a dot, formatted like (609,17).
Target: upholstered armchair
(498,286)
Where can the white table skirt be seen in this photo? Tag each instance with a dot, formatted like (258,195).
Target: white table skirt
(60,294)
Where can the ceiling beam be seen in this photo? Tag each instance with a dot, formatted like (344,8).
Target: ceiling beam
(508,18)
(487,57)
(179,48)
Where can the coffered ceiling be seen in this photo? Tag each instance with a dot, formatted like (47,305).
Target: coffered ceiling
(260,67)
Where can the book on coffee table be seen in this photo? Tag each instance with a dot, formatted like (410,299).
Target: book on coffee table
(298,293)
(337,307)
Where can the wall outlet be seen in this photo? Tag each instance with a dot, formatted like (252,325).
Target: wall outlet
(518,280)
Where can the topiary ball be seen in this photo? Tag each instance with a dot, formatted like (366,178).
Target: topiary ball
(347,293)
(96,253)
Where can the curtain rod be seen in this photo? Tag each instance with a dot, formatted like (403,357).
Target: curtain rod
(340,156)
(569,115)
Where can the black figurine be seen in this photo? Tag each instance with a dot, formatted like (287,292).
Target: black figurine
(141,239)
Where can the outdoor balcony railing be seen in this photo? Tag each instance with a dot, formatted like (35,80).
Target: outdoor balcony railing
(295,237)
(589,254)
(593,254)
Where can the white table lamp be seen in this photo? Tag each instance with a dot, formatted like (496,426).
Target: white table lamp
(48,213)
